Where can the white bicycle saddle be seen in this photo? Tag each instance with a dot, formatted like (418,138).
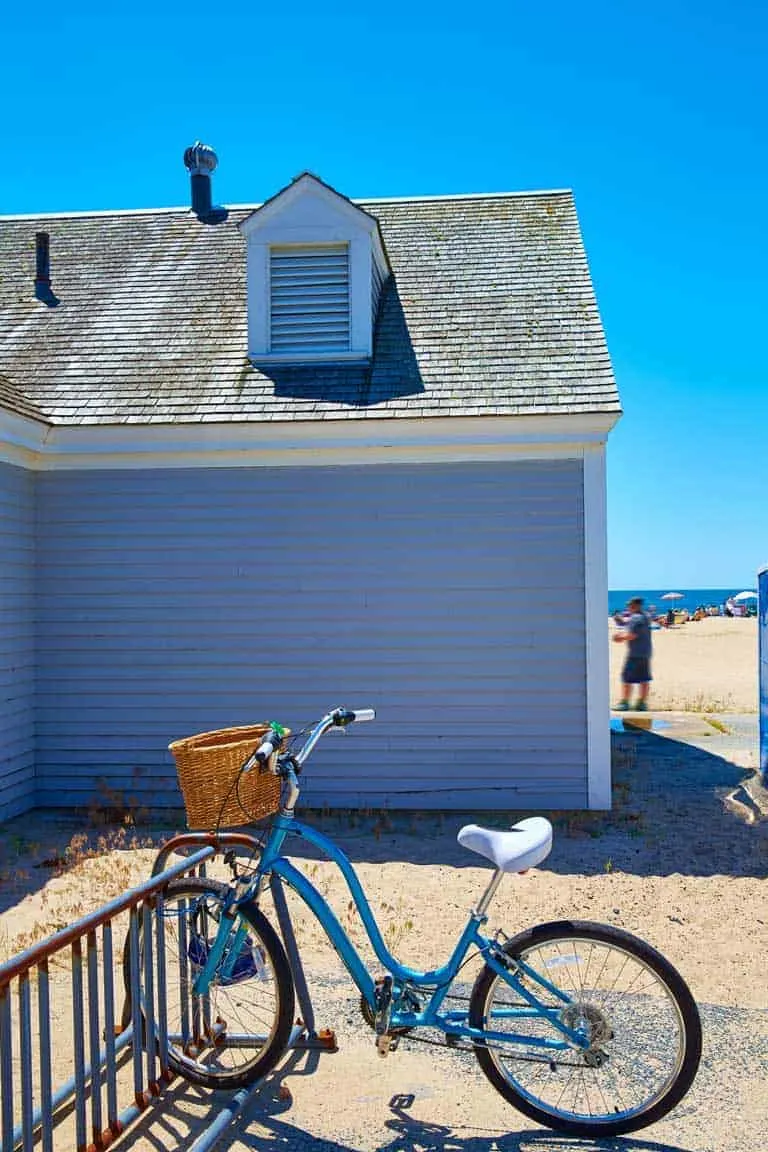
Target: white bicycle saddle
(524,846)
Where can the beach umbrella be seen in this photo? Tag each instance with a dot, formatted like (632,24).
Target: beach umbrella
(673,596)
(746,596)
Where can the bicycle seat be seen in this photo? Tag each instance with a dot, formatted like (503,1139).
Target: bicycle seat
(525,845)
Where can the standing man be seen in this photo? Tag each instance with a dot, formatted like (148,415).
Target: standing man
(637,666)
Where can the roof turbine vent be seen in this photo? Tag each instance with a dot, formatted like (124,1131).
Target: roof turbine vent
(201,160)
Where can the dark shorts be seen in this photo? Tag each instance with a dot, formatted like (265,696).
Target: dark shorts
(637,670)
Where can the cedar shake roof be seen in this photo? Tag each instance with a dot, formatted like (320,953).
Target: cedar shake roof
(490,311)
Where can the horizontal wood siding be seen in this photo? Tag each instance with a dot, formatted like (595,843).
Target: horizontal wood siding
(448,597)
(17,652)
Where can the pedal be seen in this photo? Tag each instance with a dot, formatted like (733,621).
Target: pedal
(386,1043)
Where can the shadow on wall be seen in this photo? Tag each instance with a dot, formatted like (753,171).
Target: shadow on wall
(392,372)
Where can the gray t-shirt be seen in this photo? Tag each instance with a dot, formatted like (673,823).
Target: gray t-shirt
(640,627)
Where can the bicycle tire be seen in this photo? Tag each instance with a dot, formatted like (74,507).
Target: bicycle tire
(202,1046)
(618,1020)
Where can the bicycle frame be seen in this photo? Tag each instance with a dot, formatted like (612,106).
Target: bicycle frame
(229,940)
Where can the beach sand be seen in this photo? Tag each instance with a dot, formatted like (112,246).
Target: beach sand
(707,666)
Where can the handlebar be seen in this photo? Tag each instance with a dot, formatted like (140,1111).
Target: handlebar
(338,718)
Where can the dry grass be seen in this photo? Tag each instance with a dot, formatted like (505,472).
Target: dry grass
(698,702)
(90,870)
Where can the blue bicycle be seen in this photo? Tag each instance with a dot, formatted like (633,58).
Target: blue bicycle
(581,1026)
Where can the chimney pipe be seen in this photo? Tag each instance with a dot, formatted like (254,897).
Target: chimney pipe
(200,160)
(42,264)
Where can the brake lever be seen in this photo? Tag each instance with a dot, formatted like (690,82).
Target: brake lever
(289,759)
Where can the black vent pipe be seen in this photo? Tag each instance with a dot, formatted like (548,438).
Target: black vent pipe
(42,264)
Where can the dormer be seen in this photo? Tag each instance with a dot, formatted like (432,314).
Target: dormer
(316,267)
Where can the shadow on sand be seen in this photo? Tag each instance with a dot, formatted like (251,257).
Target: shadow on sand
(264,1126)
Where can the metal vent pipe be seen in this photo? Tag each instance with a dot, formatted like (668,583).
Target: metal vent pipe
(42,263)
(200,161)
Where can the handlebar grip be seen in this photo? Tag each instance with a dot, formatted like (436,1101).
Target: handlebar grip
(361,714)
(261,755)
(341,717)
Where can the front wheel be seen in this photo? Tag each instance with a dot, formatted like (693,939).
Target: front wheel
(629,1003)
(237,1031)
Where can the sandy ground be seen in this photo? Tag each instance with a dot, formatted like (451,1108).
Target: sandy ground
(681,861)
(707,666)
(712,927)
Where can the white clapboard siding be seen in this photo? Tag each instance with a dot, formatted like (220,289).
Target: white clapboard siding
(17,674)
(448,597)
(309,299)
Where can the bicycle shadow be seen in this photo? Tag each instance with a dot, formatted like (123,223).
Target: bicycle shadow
(184,1111)
(409,1134)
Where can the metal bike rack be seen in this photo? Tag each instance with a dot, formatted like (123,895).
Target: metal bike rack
(97,1048)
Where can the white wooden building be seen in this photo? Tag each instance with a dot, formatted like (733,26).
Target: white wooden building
(257,462)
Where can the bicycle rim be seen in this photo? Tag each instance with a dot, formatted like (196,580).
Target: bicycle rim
(642,1028)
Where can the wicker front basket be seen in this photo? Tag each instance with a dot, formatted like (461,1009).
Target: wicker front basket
(208,766)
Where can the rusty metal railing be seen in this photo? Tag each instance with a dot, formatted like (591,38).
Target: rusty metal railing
(76,968)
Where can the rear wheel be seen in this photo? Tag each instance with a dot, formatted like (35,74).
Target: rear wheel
(236,1032)
(636,1011)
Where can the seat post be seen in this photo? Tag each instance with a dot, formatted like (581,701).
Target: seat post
(489,894)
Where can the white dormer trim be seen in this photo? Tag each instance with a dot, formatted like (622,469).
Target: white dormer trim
(310,214)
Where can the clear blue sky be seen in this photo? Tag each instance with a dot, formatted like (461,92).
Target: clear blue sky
(654,114)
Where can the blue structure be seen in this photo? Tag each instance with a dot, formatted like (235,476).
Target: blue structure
(763,624)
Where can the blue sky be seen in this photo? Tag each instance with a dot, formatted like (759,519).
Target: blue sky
(655,115)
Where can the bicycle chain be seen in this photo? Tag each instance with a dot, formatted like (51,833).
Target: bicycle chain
(469,1048)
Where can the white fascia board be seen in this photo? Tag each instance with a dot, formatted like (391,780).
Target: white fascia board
(306,186)
(596,627)
(22,439)
(293,443)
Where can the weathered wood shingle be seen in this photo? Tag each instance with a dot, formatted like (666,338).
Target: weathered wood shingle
(490,311)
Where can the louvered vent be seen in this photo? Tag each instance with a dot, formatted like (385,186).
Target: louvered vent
(309,299)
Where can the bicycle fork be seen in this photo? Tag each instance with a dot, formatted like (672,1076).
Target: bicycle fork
(227,946)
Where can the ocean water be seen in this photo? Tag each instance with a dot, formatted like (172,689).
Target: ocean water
(692,597)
